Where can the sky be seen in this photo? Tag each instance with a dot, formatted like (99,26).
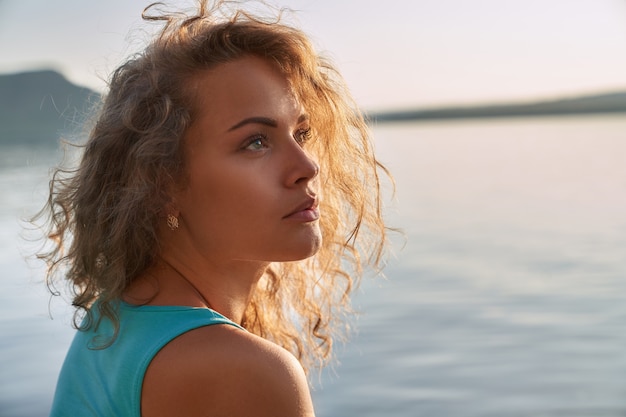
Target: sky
(394,54)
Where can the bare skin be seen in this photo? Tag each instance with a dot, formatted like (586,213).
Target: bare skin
(250,200)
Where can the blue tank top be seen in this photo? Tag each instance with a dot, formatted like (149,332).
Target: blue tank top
(107,381)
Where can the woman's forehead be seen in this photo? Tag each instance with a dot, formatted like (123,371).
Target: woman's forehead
(247,87)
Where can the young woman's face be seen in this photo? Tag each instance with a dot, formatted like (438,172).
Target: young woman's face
(252,185)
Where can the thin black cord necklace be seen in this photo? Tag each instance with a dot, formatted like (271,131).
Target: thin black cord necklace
(204,300)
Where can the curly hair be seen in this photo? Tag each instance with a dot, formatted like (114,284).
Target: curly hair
(102,217)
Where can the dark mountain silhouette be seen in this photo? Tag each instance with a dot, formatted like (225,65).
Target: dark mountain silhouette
(41,107)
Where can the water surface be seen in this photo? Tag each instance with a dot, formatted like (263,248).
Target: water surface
(507,298)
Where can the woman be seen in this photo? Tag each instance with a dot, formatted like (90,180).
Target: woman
(224,207)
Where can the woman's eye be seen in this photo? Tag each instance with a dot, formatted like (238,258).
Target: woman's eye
(302,136)
(256,144)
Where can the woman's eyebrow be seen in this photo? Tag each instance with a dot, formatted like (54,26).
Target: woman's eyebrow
(263,121)
(255,120)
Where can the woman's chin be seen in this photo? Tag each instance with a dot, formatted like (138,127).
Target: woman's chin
(299,251)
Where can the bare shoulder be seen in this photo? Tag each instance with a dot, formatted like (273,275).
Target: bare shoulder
(220,370)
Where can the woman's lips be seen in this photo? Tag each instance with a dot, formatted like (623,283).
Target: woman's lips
(305,212)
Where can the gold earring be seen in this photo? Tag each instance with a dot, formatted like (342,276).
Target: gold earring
(172,222)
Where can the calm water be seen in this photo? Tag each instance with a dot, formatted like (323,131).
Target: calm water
(507,298)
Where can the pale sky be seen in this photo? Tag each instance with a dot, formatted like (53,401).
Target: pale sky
(393,53)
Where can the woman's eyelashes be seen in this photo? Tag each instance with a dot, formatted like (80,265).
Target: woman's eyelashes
(261,141)
(302,136)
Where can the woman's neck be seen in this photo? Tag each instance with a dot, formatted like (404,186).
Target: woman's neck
(226,289)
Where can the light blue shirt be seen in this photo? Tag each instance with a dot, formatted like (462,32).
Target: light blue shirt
(107,381)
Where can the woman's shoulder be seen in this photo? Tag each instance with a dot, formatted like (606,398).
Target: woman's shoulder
(228,371)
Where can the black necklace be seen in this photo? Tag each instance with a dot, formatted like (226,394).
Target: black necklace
(193,287)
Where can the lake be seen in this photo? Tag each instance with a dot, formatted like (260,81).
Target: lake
(505,295)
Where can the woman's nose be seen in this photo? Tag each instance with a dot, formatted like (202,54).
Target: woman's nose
(303,168)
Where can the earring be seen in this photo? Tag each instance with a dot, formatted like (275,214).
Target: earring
(172,222)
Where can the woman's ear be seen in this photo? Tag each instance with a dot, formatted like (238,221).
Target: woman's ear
(171,208)
(171,194)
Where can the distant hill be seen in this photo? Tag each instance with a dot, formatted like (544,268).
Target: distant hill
(600,103)
(40,107)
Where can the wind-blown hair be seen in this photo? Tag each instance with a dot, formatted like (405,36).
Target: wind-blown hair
(103,217)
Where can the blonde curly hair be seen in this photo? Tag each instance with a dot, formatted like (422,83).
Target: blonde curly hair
(102,217)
